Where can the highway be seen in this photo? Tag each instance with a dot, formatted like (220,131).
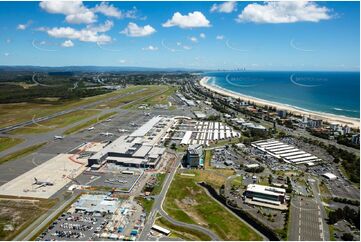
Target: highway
(158,208)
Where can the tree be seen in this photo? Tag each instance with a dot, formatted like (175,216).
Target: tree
(347,237)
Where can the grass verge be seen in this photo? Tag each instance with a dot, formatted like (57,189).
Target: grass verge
(21,153)
(158,187)
(146,204)
(6,142)
(57,122)
(88,123)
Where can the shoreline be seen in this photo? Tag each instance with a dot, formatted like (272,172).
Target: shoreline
(330,118)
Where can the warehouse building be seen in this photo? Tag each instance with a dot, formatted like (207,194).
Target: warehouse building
(97,204)
(285,152)
(329,176)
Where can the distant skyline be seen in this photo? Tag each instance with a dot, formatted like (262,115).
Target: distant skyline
(196,35)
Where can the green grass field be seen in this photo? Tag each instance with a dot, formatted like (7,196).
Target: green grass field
(161,99)
(189,203)
(6,143)
(19,112)
(54,123)
(152,92)
(21,153)
(88,123)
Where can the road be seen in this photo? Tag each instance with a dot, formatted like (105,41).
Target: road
(39,224)
(157,208)
(307,221)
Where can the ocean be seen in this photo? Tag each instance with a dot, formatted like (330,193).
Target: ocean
(336,93)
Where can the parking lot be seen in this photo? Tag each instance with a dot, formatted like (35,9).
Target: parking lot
(75,226)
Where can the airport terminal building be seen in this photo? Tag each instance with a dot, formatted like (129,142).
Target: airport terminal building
(139,149)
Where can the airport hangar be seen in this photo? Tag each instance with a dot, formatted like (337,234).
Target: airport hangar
(287,153)
(139,149)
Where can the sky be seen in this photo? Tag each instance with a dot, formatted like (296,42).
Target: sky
(197,35)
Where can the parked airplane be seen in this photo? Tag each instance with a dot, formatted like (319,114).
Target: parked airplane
(107,134)
(147,114)
(91,128)
(133,124)
(42,183)
(123,130)
(58,137)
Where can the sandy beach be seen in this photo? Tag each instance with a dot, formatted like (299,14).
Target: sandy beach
(315,115)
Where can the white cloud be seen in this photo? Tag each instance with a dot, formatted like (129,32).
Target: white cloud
(102,27)
(133,30)
(219,37)
(108,10)
(85,35)
(67,44)
(75,11)
(193,39)
(6,54)
(24,26)
(226,7)
(192,20)
(284,12)
(8,41)
(150,48)
(186,47)
(122,61)
(111,11)
(202,35)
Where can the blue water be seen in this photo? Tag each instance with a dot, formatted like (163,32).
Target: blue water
(335,93)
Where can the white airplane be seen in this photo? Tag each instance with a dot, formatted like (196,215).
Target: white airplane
(108,120)
(91,128)
(133,124)
(58,137)
(42,183)
(123,130)
(147,114)
(107,134)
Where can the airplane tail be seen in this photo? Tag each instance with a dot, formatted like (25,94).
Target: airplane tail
(36,180)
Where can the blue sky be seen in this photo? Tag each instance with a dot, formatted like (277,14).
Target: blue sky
(204,35)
